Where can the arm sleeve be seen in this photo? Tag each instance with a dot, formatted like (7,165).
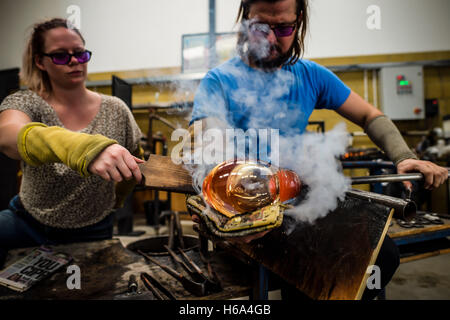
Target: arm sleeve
(39,144)
(332,92)
(209,99)
(383,132)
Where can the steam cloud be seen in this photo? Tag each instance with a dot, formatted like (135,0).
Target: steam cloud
(314,160)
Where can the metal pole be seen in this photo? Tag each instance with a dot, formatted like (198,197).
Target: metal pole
(404,209)
(212,34)
(388,178)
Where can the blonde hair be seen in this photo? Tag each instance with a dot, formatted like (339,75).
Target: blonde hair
(33,77)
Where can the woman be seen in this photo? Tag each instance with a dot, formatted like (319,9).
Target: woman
(75,145)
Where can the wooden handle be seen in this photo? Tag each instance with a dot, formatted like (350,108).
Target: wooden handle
(160,173)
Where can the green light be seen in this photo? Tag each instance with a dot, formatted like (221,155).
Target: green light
(404,83)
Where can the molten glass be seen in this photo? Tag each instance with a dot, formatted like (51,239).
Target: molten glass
(236,187)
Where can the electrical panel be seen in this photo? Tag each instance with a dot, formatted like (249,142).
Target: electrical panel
(402,92)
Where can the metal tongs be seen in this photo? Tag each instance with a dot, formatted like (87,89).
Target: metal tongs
(193,287)
(154,285)
(194,271)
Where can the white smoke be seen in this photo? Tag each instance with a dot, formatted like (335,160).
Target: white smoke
(313,156)
(259,47)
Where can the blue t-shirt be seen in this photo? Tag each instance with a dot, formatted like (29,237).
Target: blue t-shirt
(283,99)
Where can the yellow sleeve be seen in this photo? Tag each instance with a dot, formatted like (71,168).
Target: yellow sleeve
(39,144)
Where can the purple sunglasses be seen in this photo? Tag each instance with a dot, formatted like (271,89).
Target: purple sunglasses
(281,30)
(61,58)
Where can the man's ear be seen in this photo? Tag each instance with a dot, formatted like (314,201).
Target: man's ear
(38,62)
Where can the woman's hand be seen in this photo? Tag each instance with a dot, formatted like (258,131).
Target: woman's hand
(116,163)
(434,175)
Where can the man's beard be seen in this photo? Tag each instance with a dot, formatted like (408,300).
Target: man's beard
(270,63)
(258,54)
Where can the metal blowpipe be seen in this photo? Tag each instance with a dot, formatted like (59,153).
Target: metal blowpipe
(404,209)
(388,178)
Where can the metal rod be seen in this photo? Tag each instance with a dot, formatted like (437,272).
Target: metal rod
(388,178)
(180,262)
(179,230)
(404,209)
(367,164)
(191,286)
(150,286)
(151,283)
(212,34)
(167,269)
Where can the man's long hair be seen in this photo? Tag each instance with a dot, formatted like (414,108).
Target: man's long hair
(298,46)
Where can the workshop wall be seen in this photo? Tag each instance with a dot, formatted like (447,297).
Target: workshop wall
(142,34)
(123,35)
(436,86)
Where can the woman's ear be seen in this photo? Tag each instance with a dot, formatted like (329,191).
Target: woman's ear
(38,62)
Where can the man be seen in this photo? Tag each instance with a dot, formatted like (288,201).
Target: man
(268,85)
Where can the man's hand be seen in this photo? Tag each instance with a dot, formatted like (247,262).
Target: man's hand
(434,175)
(237,240)
(116,163)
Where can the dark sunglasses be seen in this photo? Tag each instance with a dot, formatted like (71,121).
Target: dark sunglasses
(280,30)
(61,58)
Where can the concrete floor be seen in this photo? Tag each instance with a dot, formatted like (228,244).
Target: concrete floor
(425,279)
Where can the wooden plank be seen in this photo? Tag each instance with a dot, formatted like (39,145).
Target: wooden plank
(161,173)
(375,255)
